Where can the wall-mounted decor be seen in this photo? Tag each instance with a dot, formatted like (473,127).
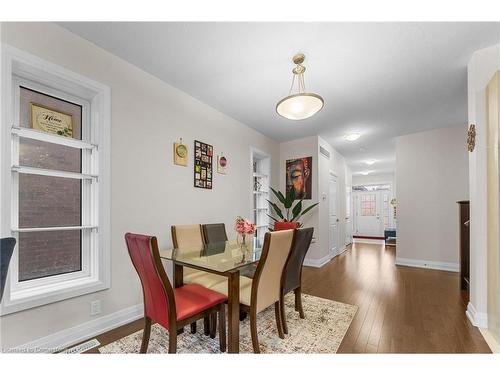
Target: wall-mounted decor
(299,177)
(203,154)
(51,121)
(221,164)
(180,154)
(471,138)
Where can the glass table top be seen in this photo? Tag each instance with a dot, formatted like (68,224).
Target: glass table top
(219,256)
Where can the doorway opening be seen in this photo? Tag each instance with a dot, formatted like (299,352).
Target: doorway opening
(374,210)
(261,174)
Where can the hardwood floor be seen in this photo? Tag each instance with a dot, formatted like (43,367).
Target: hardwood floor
(400,309)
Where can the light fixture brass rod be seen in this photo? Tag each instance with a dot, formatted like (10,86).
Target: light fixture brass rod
(291,87)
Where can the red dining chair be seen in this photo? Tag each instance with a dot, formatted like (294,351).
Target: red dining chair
(171,308)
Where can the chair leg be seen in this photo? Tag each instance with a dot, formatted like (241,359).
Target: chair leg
(213,325)
(283,314)
(172,340)
(206,325)
(193,327)
(298,302)
(145,335)
(222,328)
(278,319)
(253,332)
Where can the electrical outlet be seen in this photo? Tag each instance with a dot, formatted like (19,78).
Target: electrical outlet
(95,307)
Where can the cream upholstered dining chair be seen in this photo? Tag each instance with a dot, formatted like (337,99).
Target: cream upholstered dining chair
(190,238)
(265,288)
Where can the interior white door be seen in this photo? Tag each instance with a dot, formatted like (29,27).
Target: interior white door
(334,219)
(368,214)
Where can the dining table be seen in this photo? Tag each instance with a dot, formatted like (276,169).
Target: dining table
(229,259)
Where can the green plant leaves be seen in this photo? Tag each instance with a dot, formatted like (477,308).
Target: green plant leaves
(296,210)
(287,202)
(276,209)
(290,197)
(272,217)
(280,196)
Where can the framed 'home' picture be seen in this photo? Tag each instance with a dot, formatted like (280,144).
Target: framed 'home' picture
(203,154)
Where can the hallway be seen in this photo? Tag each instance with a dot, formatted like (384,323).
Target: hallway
(401,309)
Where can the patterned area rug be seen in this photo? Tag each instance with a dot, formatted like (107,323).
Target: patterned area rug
(322,331)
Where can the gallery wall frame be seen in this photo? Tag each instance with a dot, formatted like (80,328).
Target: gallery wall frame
(203,170)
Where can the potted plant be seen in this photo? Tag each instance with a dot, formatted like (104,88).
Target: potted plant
(289,218)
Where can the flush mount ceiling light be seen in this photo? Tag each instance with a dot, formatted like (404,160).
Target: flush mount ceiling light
(371,161)
(303,104)
(352,136)
(365,173)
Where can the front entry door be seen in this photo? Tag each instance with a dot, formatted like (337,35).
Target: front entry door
(334,219)
(368,210)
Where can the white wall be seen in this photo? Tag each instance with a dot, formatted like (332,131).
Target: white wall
(481,68)
(432,175)
(148,193)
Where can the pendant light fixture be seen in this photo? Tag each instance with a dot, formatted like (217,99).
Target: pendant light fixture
(303,104)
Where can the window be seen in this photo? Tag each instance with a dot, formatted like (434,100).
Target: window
(368,205)
(57,171)
(371,187)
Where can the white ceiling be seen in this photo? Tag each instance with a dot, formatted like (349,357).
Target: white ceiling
(380,79)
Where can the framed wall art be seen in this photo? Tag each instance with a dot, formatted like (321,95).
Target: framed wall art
(51,121)
(221,164)
(180,154)
(203,154)
(299,177)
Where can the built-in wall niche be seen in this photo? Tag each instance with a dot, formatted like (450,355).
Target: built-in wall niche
(261,172)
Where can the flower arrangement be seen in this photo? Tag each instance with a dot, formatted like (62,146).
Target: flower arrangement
(244,226)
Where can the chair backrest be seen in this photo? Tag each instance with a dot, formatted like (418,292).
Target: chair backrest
(6,249)
(187,236)
(266,284)
(293,267)
(213,233)
(159,302)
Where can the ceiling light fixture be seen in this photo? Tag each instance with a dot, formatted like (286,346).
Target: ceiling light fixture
(303,104)
(352,136)
(365,173)
(371,161)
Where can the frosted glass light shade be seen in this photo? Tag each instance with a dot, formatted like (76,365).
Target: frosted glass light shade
(299,106)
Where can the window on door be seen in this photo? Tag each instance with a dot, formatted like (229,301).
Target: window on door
(368,205)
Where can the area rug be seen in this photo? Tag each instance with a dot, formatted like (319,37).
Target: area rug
(322,331)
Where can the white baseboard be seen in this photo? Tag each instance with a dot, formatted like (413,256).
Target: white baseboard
(477,319)
(490,340)
(443,266)
(317,262)
(65,338)
(368,240)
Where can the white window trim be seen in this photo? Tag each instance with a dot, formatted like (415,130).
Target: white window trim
(96,275)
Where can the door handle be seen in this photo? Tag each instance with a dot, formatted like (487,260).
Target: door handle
(338,220)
